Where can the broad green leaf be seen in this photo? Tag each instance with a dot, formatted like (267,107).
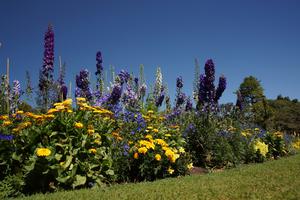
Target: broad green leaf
(63,179)
(79,180)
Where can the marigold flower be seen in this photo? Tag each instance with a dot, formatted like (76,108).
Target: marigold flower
(81,99)
(150,111)
(170,170)
(91,131)
(78,125)
(157,157)
(135,155)
(52,110)
(3,117)
(143,150)
(147,144)
(67,102)
(161,142)
(149,137)
(190,166)
(155,130)
(97,141)
(43,152)
(92,150)
(7,123)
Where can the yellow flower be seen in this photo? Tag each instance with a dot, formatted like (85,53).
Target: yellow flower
(91,131)
(69,111)
(150,112)
(67,102)
(58,104)
(150,127)
(170,170)
(7,123)
(161,142)
(78,125)
(168,135)
(43,152)
(59,108)
(15,130)
(244,133)
(81,99)
(157,157)
(49,116)
(279,134)
(256,129)
(155,130)
(92,150)
(262,147)
(136,155)
(149,137)
(147,144)
(52,110)
(181,150)
(190,166)
(3,117)
(97,141)
(174,158)
(20,112)
(143,150)
(296,144)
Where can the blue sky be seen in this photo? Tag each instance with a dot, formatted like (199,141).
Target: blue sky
(257,37)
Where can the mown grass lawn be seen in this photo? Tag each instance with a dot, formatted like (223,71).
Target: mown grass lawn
(278,179)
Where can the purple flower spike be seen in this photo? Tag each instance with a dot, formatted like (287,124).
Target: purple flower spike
(49,50)
(179,82)
(221,88)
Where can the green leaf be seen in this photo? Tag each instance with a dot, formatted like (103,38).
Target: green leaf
(63,179)
(79,180)
(110,172)
(16,157)
(58,156)
(68,162)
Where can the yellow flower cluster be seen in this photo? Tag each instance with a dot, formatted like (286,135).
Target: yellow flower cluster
(117,136)
(65,106)
(43,152)
(145,145)
(296,144)
(83,105)
(262,147)
(78,125)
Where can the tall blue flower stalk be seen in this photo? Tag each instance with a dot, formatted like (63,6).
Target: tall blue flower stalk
(82,85)
(46,72)
(180,96)
(99,74)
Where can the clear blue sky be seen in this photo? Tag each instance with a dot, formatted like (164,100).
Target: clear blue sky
(257,37)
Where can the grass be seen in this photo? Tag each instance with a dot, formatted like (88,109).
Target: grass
(278,179)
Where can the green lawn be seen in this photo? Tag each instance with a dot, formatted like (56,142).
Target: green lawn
(271,180)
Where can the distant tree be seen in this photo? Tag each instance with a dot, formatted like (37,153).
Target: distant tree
(251,90)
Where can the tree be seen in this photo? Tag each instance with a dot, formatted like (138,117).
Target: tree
(251,90)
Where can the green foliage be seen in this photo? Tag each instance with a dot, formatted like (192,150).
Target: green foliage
(286,115)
